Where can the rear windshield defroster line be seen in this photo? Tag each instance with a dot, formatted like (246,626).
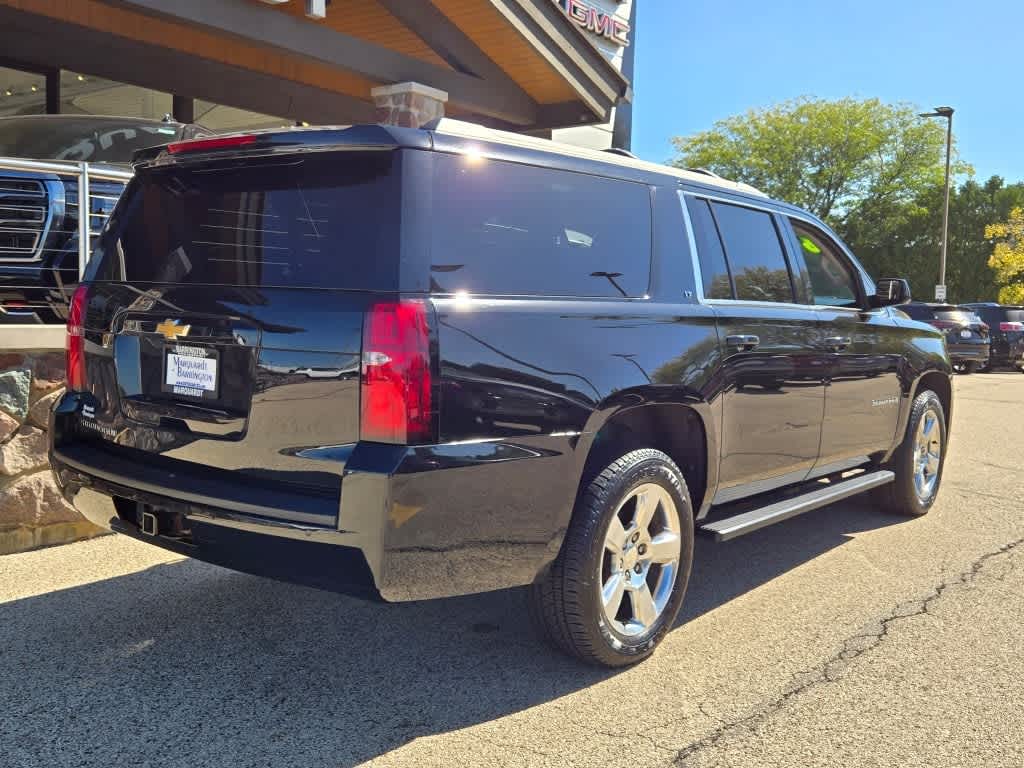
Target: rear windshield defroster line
(324,222)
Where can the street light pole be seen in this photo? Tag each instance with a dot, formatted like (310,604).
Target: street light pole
(946,112)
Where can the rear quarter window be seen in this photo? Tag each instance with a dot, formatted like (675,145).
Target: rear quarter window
(502,228)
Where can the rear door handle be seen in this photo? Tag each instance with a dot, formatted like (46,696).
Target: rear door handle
(837,343)
(742,342)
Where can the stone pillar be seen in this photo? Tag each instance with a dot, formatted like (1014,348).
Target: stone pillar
(410,105)
(32,511)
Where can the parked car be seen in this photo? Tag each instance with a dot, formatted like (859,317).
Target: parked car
(967,336)
(39,208)
(1007,331)
(540,355)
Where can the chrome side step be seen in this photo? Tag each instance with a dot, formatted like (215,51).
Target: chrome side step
(737,525)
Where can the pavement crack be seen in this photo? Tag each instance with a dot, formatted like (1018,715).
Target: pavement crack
(832,668)
(964,488)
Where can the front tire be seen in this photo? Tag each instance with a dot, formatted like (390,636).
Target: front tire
(616,587)
(919,459)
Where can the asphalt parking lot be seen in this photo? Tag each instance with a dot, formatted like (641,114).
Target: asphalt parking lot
(843,637)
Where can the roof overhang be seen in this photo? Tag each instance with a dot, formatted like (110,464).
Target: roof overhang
(519,64)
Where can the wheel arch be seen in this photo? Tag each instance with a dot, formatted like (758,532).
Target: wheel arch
(938,381)
(681,427)
(941,384)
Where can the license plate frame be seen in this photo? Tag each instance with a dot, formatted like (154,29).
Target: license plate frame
(178,387)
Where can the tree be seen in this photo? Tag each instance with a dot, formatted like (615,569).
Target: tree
(825,156)
(1008,256)
(905,240)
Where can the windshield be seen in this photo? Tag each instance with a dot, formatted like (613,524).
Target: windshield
(93,139)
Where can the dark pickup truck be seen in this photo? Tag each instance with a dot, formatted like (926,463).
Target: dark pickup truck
(39,222)
(420,363)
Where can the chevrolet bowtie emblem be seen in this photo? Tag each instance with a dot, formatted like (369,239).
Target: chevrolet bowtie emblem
(170,329)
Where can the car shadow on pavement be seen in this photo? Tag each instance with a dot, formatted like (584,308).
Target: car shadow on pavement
(723,572)
(188,664)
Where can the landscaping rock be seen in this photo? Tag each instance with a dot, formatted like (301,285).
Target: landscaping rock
(25,453)
(39,413)
(33,501)
(14,388)
(8,426)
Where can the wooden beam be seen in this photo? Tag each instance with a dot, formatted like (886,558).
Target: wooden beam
(40,40)
(567,49)
(447,40)
(298,37)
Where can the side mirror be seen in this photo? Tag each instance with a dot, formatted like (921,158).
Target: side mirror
(891,291)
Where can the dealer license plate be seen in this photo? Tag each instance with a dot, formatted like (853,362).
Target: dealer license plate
(190,371)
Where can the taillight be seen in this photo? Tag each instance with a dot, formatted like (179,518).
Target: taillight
(206,145)
(1011,326)
(75,346)
(397,401)
(944,325)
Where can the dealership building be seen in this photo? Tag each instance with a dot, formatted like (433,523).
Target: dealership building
(558,68)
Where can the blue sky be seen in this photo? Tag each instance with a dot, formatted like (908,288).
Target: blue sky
(698,61)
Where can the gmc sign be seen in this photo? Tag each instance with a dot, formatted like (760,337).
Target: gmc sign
(596,21)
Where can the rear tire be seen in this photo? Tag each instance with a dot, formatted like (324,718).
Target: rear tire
(617,585)
(918,460)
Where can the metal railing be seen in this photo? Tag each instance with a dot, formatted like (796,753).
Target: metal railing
(82,171)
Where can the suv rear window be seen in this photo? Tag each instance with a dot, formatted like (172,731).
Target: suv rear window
(958,316)
(503,228)
(325,221)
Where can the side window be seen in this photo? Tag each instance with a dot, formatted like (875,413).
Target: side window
(754,253)
(503,228)
(833,282)
(713,270)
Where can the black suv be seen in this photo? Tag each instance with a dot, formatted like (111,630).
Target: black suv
(967,336)
(1006,325)
(419,363)
(39,206)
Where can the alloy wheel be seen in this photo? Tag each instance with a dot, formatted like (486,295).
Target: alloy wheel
(927,455)
(640,562)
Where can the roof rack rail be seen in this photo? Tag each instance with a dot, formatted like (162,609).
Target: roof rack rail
(620,151)
(705,171)
(459,128)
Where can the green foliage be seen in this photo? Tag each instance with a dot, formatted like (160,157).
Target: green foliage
(905,240)
(875,173)
(1008,256)
(825,156)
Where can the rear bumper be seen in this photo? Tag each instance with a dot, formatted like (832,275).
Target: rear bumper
(412,522)
(968,353)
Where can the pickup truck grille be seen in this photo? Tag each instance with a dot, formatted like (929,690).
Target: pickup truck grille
(23,213)
(103,195)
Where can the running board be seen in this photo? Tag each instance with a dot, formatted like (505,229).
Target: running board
(731,527)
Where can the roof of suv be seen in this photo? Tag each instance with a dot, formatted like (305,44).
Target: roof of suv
(454,133)
(464,130)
